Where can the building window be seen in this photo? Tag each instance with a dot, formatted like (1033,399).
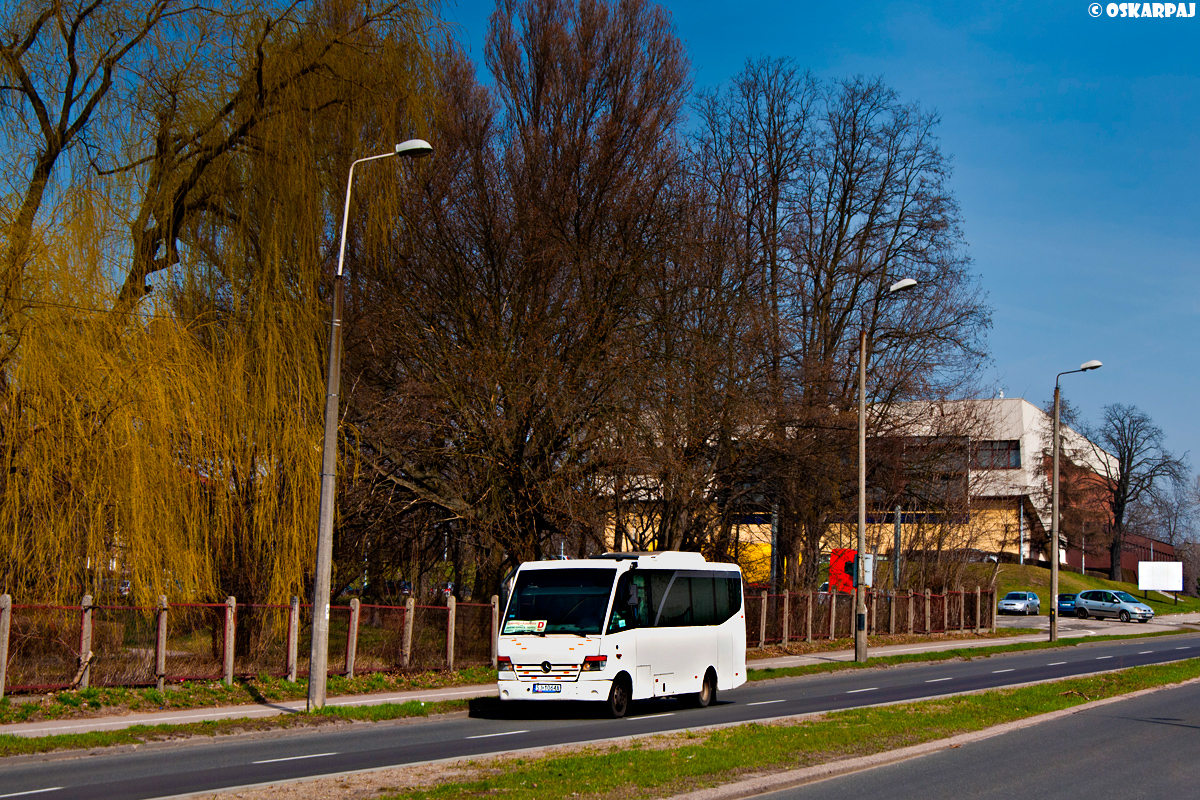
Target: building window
(997,455)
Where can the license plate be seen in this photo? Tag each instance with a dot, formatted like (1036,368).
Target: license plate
(547,688)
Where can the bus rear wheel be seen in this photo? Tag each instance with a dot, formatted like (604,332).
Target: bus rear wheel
(708,690)
(618,697)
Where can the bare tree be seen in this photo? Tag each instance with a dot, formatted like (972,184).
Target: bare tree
(1139,468)
(840,189)
(500,342)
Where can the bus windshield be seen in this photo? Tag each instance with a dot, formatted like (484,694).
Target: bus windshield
(559,601)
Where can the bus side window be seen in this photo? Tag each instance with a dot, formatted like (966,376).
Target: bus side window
(703,602)
(676,608)
(728,597)
(630,604)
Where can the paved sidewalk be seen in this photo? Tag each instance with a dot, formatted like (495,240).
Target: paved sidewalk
(179,717)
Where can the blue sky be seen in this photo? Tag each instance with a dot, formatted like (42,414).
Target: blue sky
(1076,145)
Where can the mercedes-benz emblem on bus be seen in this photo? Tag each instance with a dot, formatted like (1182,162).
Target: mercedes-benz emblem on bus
(546,666)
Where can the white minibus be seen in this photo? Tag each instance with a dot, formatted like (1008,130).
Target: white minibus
(623,627)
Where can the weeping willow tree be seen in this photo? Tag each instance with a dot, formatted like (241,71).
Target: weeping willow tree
(162,405)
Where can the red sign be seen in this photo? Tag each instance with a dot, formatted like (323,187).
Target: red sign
(841,564)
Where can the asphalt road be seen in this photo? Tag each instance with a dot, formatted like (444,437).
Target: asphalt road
(165,770)
(1139,748)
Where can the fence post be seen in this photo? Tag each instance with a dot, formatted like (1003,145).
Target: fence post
(160,645)
(832,611)
(762,620)
(893,599)
(976,610)
(293,639)
(992,608)
(85,642)
(410,611)
(808,612)
(5,627)
(911,613)
(785,626)
(495,601)
(928,623)
(945,610)
(450,605)
(230,612)
(352,636)
(873,600)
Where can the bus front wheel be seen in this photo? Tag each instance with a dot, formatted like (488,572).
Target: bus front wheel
(708,690)
(618,697)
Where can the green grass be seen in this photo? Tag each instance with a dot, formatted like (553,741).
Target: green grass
(95,701)
(964,653)
(1024,577)
(668,765)
(141,734)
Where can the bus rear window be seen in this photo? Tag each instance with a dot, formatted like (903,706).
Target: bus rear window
(559,601)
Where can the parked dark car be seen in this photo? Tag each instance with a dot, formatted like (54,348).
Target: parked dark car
(1066,605)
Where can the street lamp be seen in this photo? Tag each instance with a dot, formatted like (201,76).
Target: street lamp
(1054,501)
(860,590)
(318,663)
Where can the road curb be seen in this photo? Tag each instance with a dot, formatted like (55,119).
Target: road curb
(779,781)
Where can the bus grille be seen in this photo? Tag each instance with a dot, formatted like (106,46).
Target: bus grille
(558,672)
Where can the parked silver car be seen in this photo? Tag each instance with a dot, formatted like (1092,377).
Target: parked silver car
(1106,603)
(1020,603)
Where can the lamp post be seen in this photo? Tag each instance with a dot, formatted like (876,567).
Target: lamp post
(860,590)
(1054,501)
(318,663)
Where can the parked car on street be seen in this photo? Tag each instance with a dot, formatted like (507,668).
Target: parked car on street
(1020,603)
(1066,605)
(1101,603)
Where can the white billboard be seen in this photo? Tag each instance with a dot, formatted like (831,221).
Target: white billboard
(1162,576)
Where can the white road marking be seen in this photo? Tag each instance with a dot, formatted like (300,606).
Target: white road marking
(654,716)
(490,735)
(938,680)
(764,702)
(1183,648)
(32,791)
(998,671)
(292,758)
(1101,658)
(1145,652)
(856,691)
(1056,664)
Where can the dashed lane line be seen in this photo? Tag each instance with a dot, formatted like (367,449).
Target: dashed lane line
(491,735)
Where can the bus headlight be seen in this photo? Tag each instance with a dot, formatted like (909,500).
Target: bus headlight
(504,664)
(594,663)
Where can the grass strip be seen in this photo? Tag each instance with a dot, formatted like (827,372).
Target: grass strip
(142,734)
(659,766)
(101,701)
(963,653)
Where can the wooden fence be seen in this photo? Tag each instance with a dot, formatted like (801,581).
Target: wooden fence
(779,619)
(45,647)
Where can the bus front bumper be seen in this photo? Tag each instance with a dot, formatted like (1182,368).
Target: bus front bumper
(593,689)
